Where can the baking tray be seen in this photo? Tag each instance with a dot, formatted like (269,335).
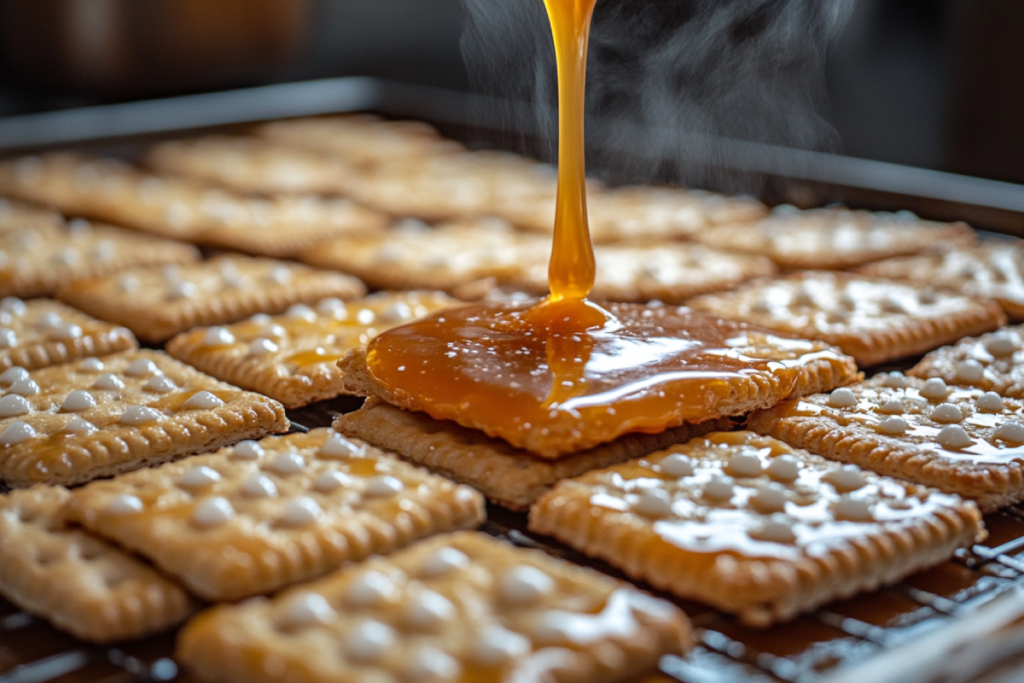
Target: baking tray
(949,623)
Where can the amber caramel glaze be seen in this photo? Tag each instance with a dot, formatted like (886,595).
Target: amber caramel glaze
(569,375)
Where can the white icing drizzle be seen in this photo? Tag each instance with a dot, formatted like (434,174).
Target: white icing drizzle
(337,446)
(262,347)
(745,463)
(525,585)
(79,426)
(1000,345)
(853,509)
(13,374)
(953,436)
(16,433)
(13,405)
(301,512)
(1010,431)
(199,477)
(248,450)
(160,384)
(784,468)
(307,609)
(896,380)
(846,478)
(77,401)
(892,406)
(428,610)
(935,389)
(383,486)
(8,339)
(444,561)
(218,336)
(331,481)
(497,645)
(369,589)
(204,400)
(369,641)
(947,413)
(124,504)
(301,312)
(142,367)
(108,381)
(652,502)
(24,387)
(893,426)
(288,462)
(768,499)
(774,530)
(677,465)
(213,512)
(431,665)
(842,398)
(259,486)
(139,415)
(991,402)
(91,365)
(718,489)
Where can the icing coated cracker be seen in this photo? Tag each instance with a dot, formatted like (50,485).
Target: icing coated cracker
(753,527)
(254,518)
(962,441)
(293,357)
(69,424)
(461,607)
(157,303)
(993,362)
(872,320)
(76,581)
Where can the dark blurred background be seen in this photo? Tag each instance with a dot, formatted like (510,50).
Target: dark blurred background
(931,83)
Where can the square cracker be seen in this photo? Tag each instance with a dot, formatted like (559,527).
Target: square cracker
(461,607)
(69,424)
(873,320)
(157,303)
(993,269)
(836,238)
(294,357)
(76,581)
(993,362)
(505,474)
(39,333)
(254,518)
(39,260)
(751,526)
(958,440)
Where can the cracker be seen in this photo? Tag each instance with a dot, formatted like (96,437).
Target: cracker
(294,357)
(961,441)
(873,320)
(361,138)
(15,215)
(993,362)
(753,527)
(993,270)
(76,581)
(718,369)
(73,423)
(157,303)
(39,260)
(39,333)
(507,475)
(836,238)
(462,607)
(252,519)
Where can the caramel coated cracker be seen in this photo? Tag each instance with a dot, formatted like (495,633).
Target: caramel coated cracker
(993,362)
(872,320)
(73,423)
(836,238)
(753,527)
(259,516)
(461,607)
(157,303)
(78,582)
(962,441)
(294,357)
(993,270)
(39,333)
(505,474)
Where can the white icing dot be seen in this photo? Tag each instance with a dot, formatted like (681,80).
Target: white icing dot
(1000,345)
(969,370)
(769,499)
(13,405)
(718,488)
(991,402)
(396,312)
(108,381)
(525,585)
(91,365)
(124,505)
(301,312)
(248,450)
(204,400)
(306,609)
(431,665)
(182,290)
(142,367)
(262,347)
(842,398)
(160,384)
(784,468)
(332,307)
(1011,431)
(953,436)
(773,531)
(12,375)
(801,297)
(935,389)
(331,481)
(281,275)
(444,561)
(428,610)
(288,462)
(49,320)
(745,463)
(497,645)
(337,446)
(139,415)
(301,512)
(8,339)
(846,478)
(366,317)
(259,486)
(17,432)
(370,588)
(128,283)
(171,273)
(24,387)
(79,426)
(103,251)
(653,503)
(677,465)
(64,332)
(381,487)
(77,401)
(369,641)
(274,332)
(896,380)
(853,509)
(13,305)
(947,413)
(893,426)
(213,512)
(892,406)
(198,477)
(218,336)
